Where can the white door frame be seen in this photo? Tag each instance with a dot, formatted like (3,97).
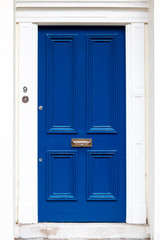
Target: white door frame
(135,109)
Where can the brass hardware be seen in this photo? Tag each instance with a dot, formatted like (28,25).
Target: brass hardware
(40,159)
(40,108)
(81,142)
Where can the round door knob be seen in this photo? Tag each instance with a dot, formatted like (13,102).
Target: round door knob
(25,99)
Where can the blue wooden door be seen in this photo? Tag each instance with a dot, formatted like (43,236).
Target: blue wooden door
(81,72)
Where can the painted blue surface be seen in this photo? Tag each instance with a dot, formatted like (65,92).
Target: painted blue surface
(81,86)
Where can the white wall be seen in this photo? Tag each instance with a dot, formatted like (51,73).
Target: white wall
(150,121)
(157,119)
(154,119)
(6,118)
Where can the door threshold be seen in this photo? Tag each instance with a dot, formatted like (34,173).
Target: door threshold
(81,231)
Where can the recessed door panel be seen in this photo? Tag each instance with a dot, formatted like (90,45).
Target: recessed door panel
(82,124)
(61,83)
(102,175)
(101,56)
(61,175)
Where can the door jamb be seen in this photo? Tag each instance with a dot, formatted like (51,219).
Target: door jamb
(135,122)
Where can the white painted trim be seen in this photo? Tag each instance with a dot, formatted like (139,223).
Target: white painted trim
(28,124)
(86,15)
(135,89)
(82,3)
(81,231)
